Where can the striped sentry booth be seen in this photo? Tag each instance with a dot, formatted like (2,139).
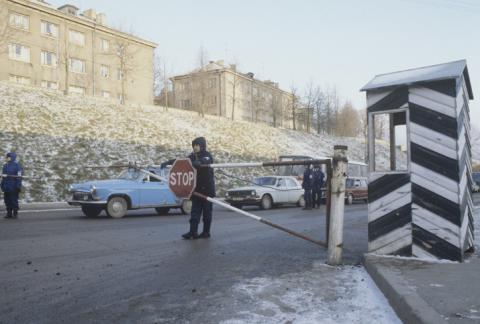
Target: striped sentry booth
(423,209)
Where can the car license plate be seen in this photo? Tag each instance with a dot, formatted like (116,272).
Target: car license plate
(237,198)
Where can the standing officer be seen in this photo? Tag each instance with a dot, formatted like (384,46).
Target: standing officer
(318,179)
(307,185)
(205,185)
(11,184)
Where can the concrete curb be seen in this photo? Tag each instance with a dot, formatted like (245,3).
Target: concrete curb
(409,306)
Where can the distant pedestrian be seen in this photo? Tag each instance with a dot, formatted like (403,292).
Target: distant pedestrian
(11,184)
(205,185)
(318,181)
(307,185)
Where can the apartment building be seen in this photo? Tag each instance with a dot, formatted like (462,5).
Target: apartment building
(76,53)
(219,89)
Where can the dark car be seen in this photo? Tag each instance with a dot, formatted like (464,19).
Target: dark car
(356,188)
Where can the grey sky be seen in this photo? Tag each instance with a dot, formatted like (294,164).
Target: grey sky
(341,43)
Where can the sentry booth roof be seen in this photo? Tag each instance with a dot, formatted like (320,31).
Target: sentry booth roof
(451,70)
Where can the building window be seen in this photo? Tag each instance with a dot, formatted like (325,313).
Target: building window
(76,37)
(49,84)
(121,98)
(76,90)
(19,21)
(104,71)
(212,83)
(19,52)
(19,79)
(105,45)
(49,29)
(77,66)
(48,58)
(186,104)
(119,74)
(212,100)
(105,94)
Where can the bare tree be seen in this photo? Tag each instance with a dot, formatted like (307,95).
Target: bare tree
(310,98)
(126,54)
(234,82)
(294,104)
(5,30)
(275,108)
(348,121)
(319,112)
(161,82)
(199,85)
(257,102)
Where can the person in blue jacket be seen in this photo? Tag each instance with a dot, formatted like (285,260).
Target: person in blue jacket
(318,180)
(11,184)
(205,185)
(307,185)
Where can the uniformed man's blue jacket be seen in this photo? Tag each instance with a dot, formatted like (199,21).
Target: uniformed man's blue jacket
(11,184)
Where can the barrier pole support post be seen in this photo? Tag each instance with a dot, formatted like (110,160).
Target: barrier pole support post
(339,174)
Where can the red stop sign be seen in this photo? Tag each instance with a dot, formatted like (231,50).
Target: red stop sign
(183,178)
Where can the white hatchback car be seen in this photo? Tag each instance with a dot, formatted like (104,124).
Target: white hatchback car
(267,192)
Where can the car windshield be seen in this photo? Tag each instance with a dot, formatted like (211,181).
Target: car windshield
(130,174)
(265,181)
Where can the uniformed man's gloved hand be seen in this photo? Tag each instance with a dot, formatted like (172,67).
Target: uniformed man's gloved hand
(197,163)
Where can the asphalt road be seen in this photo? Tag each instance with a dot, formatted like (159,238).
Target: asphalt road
(58,266)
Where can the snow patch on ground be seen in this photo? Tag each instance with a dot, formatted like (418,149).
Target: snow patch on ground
(322,295)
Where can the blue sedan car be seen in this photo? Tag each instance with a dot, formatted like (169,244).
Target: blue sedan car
(132,189)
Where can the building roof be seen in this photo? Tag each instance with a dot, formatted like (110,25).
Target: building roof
(450,70)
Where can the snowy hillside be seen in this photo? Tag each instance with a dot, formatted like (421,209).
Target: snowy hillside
(57,136)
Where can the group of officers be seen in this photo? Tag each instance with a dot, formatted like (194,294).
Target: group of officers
(313,178)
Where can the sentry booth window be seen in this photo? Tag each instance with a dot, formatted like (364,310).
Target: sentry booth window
(390,142)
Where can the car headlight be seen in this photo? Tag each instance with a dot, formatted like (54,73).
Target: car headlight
(70,188)
(93,190)
(253,193)
(227,194)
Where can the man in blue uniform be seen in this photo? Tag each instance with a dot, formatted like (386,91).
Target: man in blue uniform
(307,185)
(318,180)
(11,184)
(205,185)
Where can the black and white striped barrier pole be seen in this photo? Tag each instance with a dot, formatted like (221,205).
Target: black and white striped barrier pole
(13,176)
(244,213)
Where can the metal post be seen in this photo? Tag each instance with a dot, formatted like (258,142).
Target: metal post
(328,200)
(335,237)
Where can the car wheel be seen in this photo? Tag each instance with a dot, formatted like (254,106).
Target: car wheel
(186,207)
(91,211)
(349,199)
(266,202)
(117,207)
(301,201)
(162,210)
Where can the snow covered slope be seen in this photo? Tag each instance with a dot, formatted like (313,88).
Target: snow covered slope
(57,137)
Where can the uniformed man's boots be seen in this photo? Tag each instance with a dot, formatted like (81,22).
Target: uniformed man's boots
(15,213)
(192,234)
(9,214)
(206,231)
